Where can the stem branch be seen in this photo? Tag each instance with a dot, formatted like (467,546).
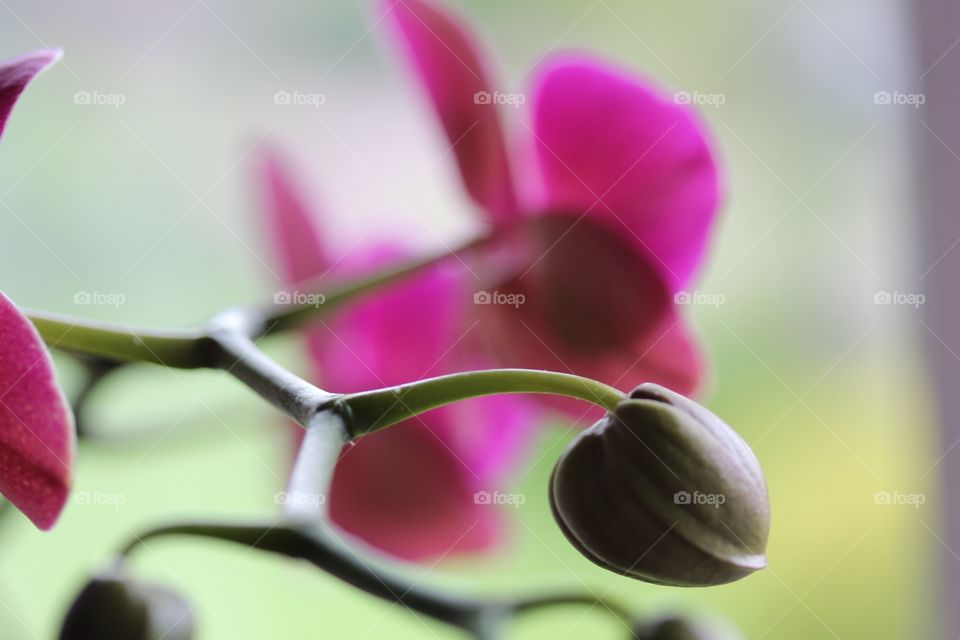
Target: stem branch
(331,556)
(191,348)
(284,317)
(374,410)
(308,489)
(240,357)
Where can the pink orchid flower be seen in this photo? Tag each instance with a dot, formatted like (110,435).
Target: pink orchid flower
(36,425)
(408,490)
(612,205)
(16,74)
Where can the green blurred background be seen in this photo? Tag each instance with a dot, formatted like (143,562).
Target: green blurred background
(153,200)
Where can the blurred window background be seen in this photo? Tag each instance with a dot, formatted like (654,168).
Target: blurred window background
(127,171)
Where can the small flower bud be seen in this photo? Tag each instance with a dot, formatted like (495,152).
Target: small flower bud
(680,628)
(662,490)
(118,608)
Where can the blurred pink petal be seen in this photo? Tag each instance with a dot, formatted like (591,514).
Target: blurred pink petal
(404,491)
(665,353)
(668,355)
(625,193)
(454,74)
(16,74)
(398,334)
(585,289)
(290,224)
(292,229)
(608,144)
(593,305)
(409,489)
(36,425)
(405,333)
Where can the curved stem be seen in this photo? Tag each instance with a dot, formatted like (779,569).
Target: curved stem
(305,534)
(374,410)
(525,605)
(96,370)
(279,317)
(481,617)
(327,553)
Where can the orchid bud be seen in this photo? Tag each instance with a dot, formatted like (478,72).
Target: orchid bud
(118,608)
(662,490)
(680,628)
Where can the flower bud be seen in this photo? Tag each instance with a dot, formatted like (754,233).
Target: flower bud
(679,628)
(117,608)
(662,490)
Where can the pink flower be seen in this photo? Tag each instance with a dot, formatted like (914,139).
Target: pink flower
(36,425)
(408,490)
(611,203)
(16,74)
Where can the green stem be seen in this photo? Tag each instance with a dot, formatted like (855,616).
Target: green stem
(613,607)
(180,349)
(332,556)
(191,348)
(282,317)
(306,534)
(371,411)
(481,617)
(96,370)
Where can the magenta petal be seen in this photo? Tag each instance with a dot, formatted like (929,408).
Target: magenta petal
(409,490)
(16,74)
(608,143)
(395,335)
(404,491)
(290,223)
(452,70)
(36,425)
(591,304)
(293,231)
(665,353)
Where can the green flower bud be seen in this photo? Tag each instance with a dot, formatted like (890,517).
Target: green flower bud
(117,608)
(662,490)
(678,628)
